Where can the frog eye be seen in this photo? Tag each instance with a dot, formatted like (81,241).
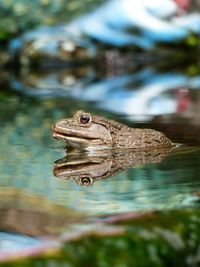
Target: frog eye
(85,118)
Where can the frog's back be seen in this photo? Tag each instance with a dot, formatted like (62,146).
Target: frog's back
(140,138)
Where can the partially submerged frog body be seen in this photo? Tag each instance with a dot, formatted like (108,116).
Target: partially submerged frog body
(85,131)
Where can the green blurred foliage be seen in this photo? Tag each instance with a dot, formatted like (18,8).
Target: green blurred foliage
(20,15)
(156,239)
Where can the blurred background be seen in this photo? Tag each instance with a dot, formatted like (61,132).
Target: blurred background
(133,61)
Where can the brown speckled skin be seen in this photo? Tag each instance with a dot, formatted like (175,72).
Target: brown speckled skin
(126,137)
(114,134)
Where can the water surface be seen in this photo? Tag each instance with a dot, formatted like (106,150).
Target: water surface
(29,152)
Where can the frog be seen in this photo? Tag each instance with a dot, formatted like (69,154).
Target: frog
(92,132)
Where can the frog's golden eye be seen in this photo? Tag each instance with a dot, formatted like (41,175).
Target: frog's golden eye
(85,118)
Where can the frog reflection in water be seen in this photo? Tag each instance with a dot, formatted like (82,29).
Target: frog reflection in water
(86,168)
(88,132)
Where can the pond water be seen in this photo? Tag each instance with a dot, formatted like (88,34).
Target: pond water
(28,150)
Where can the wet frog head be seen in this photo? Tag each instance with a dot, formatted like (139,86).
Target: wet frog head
(83,130)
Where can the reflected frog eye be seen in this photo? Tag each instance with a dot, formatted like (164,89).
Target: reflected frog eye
(86,181)
(85,118)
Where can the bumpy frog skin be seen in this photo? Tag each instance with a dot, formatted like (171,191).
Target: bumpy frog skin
(85,131)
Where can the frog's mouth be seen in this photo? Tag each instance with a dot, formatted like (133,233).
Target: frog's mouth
(70,139)
(72,135)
